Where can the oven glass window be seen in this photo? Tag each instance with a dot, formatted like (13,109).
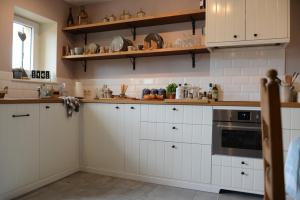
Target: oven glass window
(241,139)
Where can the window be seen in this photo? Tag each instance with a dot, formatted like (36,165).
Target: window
(24,51)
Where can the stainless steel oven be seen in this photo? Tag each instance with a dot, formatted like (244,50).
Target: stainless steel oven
(237,133)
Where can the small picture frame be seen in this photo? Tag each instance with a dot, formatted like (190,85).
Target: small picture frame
(38,74)
(47,74)
(43,75)
(33,74)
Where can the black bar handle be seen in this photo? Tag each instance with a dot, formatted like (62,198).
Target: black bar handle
(27,115)
(132,108)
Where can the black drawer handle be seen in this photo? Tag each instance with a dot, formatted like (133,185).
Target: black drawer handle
(132,108)
(117,107)
(15,116)
(174,128)
(255,34)
(47,107)
(174,109)
(173,146)
(235,36)
(242,173)
(243,163)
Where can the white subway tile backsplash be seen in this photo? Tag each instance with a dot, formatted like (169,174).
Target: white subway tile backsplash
(236,71)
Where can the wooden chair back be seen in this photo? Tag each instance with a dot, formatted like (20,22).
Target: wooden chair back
(272,138)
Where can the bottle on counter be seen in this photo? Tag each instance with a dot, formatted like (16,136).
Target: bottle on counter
(215,93)
(209,94)
(180,92)
(202,4)
(185,91)
(70,21)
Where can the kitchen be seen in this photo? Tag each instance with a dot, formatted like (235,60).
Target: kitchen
(180,74)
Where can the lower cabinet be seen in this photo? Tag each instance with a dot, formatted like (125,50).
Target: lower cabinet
(111,137)
(59,140)
(19,146)
(237,173)
(182,161)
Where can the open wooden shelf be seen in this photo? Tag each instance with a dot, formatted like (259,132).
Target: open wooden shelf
(178,17)
(138,54)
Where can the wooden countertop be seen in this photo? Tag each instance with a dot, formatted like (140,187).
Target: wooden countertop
(154,102)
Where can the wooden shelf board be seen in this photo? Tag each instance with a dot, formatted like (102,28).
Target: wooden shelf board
(137,54)
(177,17)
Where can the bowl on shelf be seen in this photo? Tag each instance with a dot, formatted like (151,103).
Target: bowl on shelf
(78,50)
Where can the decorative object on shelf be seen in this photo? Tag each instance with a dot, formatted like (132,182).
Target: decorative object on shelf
(92,48)
(120,43)
(125,15)
(78,50)
(112,18)
(140,47)
(141,13)
(83,16)
(66,50)
(153,41)
(3,92)
(106,19)
(132,48)
(70,20)
(171,90)
(123,90)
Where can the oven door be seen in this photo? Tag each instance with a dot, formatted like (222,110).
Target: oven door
(237,139)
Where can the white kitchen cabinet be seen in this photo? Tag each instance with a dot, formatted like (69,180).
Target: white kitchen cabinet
(225,21)
(103,137)
(238,173)
(267,19)
(132,136)
(152,158)
(247,22)
(59,145)
(153,113)
(19,146)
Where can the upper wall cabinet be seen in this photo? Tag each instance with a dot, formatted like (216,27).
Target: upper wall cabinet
(225,21)
(247,22)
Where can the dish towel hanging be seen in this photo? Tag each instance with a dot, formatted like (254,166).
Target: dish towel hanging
(292,170)
(72,104)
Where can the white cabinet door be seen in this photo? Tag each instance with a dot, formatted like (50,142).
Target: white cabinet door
(19,146)
(152,158)
(201,163)
(225,21)
(173,132)
(153,113)
(27,144)
(103,138)
(267,19)
(132,133)
(8,138)
(59,145)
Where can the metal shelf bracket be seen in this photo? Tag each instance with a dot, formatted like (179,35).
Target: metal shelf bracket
(193,25)
(133,31)
(132,60)
(193,60)
(84,64)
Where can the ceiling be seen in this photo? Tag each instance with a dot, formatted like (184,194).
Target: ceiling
(84,2)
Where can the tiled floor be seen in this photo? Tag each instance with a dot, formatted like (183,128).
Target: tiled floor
(86,186)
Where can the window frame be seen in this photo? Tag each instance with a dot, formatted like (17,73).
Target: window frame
(35,38)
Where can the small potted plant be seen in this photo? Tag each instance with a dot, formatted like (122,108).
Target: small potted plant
(171,90)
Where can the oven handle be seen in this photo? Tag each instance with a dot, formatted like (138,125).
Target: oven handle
(239,127)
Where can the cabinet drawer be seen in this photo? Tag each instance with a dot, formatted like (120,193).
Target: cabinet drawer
(153,113)
(173,132)
(242,162)
(174,114)
(242,178)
